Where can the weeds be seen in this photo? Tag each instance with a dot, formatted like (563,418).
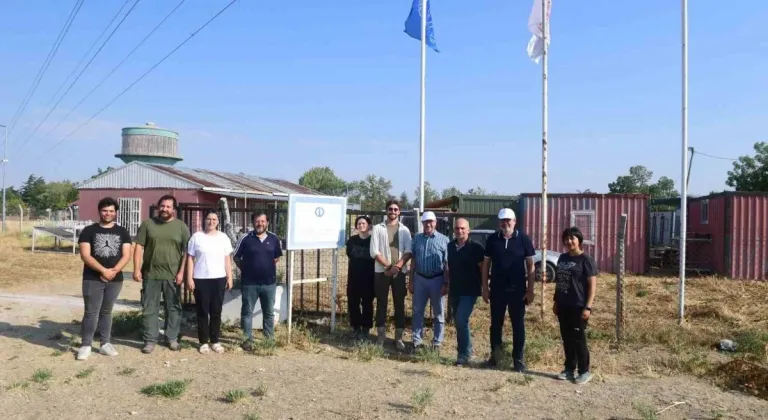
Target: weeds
(251,416)
(421,399)
(753,343)
(126,371)
(266,347)
(261,390)
(641,293)
(366,351)
(56,353)
(127,323)
(428,355)
(645,411)
(522,380)
(19,384)
(42,375)
(235,395)
(85,373)
(170,389)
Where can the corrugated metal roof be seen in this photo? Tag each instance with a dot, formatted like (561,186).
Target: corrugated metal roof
(139,175)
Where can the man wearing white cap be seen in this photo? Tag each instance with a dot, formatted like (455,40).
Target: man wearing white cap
(510,253)
(429,279)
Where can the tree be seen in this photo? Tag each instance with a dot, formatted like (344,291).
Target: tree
(59,195)
(32,192)
(479,191)
(323,180)
(100,172)
(372,192)
(750,173)
(430,194)
(638,182)
(405,202)
(450,192)
(12,201)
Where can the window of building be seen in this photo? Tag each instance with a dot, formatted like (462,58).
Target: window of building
(129,215)
(585,221)
(704,212)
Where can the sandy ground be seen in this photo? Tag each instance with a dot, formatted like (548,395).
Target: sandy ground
(320,383)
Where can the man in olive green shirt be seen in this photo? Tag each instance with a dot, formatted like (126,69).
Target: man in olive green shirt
(158,262)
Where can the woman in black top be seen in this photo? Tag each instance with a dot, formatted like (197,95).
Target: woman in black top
(360,291)
(574,292)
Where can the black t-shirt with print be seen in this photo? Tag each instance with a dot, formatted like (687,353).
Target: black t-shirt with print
(106,248)
(573,273)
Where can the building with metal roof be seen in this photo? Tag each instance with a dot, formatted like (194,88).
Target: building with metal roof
(138,185)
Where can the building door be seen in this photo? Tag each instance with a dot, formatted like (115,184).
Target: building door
(129,215)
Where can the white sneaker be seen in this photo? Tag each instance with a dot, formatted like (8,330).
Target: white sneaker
(108,350)
(83,353)
(204,349)
(218,348)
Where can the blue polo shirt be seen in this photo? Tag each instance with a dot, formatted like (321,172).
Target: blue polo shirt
(430,253)
(257,258)
(508,272)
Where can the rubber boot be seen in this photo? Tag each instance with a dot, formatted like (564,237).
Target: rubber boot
(381,335)
(399,344)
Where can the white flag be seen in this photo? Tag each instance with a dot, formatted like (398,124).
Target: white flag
(536,44)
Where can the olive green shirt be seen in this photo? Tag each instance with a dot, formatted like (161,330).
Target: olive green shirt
(164,246)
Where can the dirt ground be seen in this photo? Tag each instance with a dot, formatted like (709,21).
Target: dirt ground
(661,373)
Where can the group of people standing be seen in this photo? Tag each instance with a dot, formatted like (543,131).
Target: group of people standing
(501,271)
(164,255)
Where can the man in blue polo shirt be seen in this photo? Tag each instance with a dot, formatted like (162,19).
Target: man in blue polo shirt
(508,263)
(256,255)
(428,279)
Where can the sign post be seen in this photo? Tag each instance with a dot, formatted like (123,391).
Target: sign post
(315,222)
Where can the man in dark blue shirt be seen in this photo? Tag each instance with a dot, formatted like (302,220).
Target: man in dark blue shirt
(508,263)
(256,255)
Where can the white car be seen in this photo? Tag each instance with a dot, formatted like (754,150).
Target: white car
(481,235)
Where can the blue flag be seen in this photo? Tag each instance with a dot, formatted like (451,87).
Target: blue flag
(413,24)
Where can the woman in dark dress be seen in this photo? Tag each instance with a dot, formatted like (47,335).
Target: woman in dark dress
(360,291)
(574,292)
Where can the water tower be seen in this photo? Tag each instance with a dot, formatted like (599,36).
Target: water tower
(150,144)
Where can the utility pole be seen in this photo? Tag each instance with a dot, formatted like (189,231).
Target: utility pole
(5,163)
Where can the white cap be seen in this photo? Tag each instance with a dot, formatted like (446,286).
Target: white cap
(428,215)
(506,214)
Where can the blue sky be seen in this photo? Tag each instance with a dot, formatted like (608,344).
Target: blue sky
(273,88)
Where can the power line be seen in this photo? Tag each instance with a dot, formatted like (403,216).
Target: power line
(46,63)
(71,111)
(713,156)
(140,78)
(103,44)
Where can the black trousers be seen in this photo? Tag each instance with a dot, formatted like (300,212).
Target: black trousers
(360,295)
(209,297)
(573,330)
(512,303)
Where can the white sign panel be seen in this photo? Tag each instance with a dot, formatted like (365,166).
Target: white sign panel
(316,222)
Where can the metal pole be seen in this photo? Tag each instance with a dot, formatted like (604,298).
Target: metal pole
(684,162)
(544,135)
(334,286)
(289,292)
(423,110)
(5,164)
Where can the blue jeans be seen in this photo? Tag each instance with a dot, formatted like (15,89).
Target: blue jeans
(423,290)
(251,294)
(462,309)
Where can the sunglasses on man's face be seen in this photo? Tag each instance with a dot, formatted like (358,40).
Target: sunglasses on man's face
(393,209)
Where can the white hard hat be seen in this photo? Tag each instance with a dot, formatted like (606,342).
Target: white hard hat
(428,215)
(506,214)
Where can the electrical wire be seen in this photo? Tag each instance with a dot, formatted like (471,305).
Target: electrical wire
(46,63)
(88,95)
(713,156)
(139,79)
(103,44)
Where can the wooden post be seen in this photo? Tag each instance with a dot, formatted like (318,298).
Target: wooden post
(620,263)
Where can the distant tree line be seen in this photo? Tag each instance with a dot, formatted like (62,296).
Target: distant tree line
(373,191)
(38,196)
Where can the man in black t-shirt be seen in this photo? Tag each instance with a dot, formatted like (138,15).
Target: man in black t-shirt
(465,260)
(509,265)
(105,249)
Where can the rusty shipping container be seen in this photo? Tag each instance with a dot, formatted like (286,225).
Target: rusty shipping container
(597,215)
(728,234)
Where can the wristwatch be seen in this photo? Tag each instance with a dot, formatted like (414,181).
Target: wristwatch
(588,308)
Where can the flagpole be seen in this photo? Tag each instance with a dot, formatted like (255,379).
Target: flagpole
(544,140)
(423,105)
(684,169)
